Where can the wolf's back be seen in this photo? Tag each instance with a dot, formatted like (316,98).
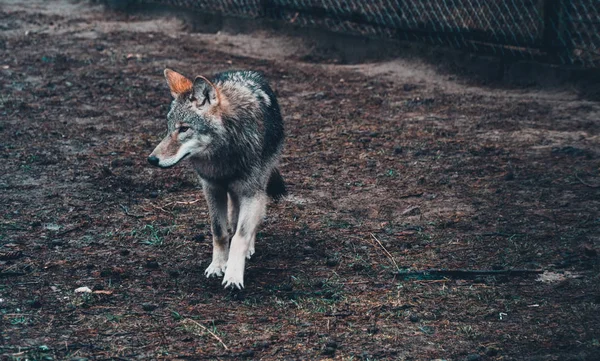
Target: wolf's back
(263,95)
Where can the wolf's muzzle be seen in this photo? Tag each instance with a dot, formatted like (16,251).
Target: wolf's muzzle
(153,160)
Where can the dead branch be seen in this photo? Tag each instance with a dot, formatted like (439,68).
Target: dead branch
(464,273)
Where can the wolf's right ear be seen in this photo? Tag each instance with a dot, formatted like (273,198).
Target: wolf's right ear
(177,82)
(206,92)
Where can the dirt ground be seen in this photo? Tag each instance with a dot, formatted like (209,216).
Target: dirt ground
(392,168)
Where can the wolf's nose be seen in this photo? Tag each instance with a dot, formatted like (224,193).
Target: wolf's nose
(153,160)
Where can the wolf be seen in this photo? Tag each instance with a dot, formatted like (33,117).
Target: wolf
(231,130)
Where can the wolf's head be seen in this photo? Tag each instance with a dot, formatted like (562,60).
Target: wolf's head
(194,120)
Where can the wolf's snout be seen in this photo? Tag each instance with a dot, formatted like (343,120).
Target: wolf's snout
(153,160)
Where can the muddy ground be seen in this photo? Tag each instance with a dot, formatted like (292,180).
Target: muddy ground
(392,168)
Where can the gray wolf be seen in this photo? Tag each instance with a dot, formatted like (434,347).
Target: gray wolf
(231,131)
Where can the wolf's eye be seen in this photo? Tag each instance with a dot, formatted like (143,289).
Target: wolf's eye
(183,129)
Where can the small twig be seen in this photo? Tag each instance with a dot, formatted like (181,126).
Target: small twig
(386,252)
(126,210)
(14,227)
(178,202)
(171,203)
(433,281)
(209,331)
(18,314)
(409,195)
(26,283)
(60,234)
(357,282)
(293,19)
(116,334)
(190,202)
(587,184)
(499,234)
(339,314)
(11,274)
(160,209)
(6,256)
(109,154)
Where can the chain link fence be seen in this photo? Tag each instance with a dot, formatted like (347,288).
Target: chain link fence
(557,31)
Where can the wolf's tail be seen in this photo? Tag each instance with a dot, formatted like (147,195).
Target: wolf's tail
(276,186)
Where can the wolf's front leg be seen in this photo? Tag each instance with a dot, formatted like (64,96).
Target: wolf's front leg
(252,211)
(216,198)
(234,214)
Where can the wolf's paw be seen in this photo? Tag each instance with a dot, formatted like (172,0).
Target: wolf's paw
(234,277)
(215,269)
(250,252)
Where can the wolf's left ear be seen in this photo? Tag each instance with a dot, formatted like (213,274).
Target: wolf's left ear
(205,92)
(177,82)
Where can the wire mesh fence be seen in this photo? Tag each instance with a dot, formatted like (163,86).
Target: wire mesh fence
(559,31)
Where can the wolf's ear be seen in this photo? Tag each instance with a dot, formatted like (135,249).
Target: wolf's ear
(206,92)
(177,82)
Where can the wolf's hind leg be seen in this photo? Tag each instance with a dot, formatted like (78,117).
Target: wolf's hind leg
(216,198)
(252,211)
(233,206)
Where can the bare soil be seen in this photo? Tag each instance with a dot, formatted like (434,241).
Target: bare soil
(392,168)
